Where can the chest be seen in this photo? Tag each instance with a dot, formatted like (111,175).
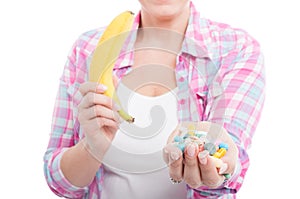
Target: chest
(153,72)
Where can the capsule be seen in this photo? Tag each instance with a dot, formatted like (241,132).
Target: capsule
(210,147)
(223,145)
(227,175)
(181,146)
(220,153)
(178,139)
(197,134)
(191,129)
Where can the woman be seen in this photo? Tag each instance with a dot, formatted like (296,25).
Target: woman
(214,74)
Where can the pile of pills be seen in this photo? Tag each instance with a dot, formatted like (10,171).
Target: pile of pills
(191,135)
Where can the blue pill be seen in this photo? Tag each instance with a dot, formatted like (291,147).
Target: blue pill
(199,135)
(223,145)
(181,146)
(210,147)
(186,136)
(178,139)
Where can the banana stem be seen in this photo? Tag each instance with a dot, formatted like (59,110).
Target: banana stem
(126,116)
(123,114)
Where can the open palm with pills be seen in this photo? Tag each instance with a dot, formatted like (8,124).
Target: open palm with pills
(192,158)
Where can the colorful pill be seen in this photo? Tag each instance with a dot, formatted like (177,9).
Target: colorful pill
(191,127)
(220,153)
(227,175)
(181,146)
(210,147)
(197,134)
(178,139)
(186,136)
(191,133)
(223,145)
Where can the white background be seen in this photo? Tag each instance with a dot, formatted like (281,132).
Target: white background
(35,37)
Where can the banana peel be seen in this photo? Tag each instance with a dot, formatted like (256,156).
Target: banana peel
(106,54)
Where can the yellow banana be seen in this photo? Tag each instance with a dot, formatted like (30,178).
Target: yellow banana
(106,54)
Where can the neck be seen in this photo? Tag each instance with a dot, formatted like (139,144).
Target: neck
(177,22)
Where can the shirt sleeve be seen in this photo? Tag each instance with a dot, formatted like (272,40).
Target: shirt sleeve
(238,106)
(62,134)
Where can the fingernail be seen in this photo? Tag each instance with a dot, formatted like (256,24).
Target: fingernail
(191,150)
(223,168)
(117,107)
(203,157)
(101,87)
(166,151)
(174,156)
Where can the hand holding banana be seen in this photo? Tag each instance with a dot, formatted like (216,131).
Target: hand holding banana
(97,119)
(96,114)
(106,54)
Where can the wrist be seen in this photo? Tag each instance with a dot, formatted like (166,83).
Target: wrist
(87,151)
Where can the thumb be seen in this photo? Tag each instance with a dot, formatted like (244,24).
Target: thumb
(231,158)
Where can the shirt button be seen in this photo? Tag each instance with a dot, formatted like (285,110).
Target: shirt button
(181,79)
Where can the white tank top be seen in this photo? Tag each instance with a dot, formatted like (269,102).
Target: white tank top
(134,167)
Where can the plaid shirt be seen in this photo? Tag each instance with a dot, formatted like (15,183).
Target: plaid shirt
(218,68)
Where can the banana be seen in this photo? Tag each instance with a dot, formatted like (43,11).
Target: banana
(106,54)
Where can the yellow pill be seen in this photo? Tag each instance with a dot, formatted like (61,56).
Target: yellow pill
(191,133)
(191,127)
(220,153)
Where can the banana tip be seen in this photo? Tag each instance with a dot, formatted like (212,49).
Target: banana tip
(131,120)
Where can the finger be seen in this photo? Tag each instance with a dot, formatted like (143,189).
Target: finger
(111,125)
(209,173)
(95,125)
(102,111)
(99,122)
(91,87)
(105,122)
(230,160)
(191,172)
(91,99)
(231,155)
(215,131)
(173,157)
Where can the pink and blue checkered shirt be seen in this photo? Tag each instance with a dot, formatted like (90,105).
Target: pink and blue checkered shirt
(214,55)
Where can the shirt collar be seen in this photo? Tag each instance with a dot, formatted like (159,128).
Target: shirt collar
(197,39)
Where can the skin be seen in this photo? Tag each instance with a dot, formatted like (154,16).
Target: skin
(169,14)
(97,115)
(198,168)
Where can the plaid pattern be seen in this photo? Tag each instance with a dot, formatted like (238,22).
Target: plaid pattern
(220,78)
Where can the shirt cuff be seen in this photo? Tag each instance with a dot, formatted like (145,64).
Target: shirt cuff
(229,186)
(233,181)
(62,185)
